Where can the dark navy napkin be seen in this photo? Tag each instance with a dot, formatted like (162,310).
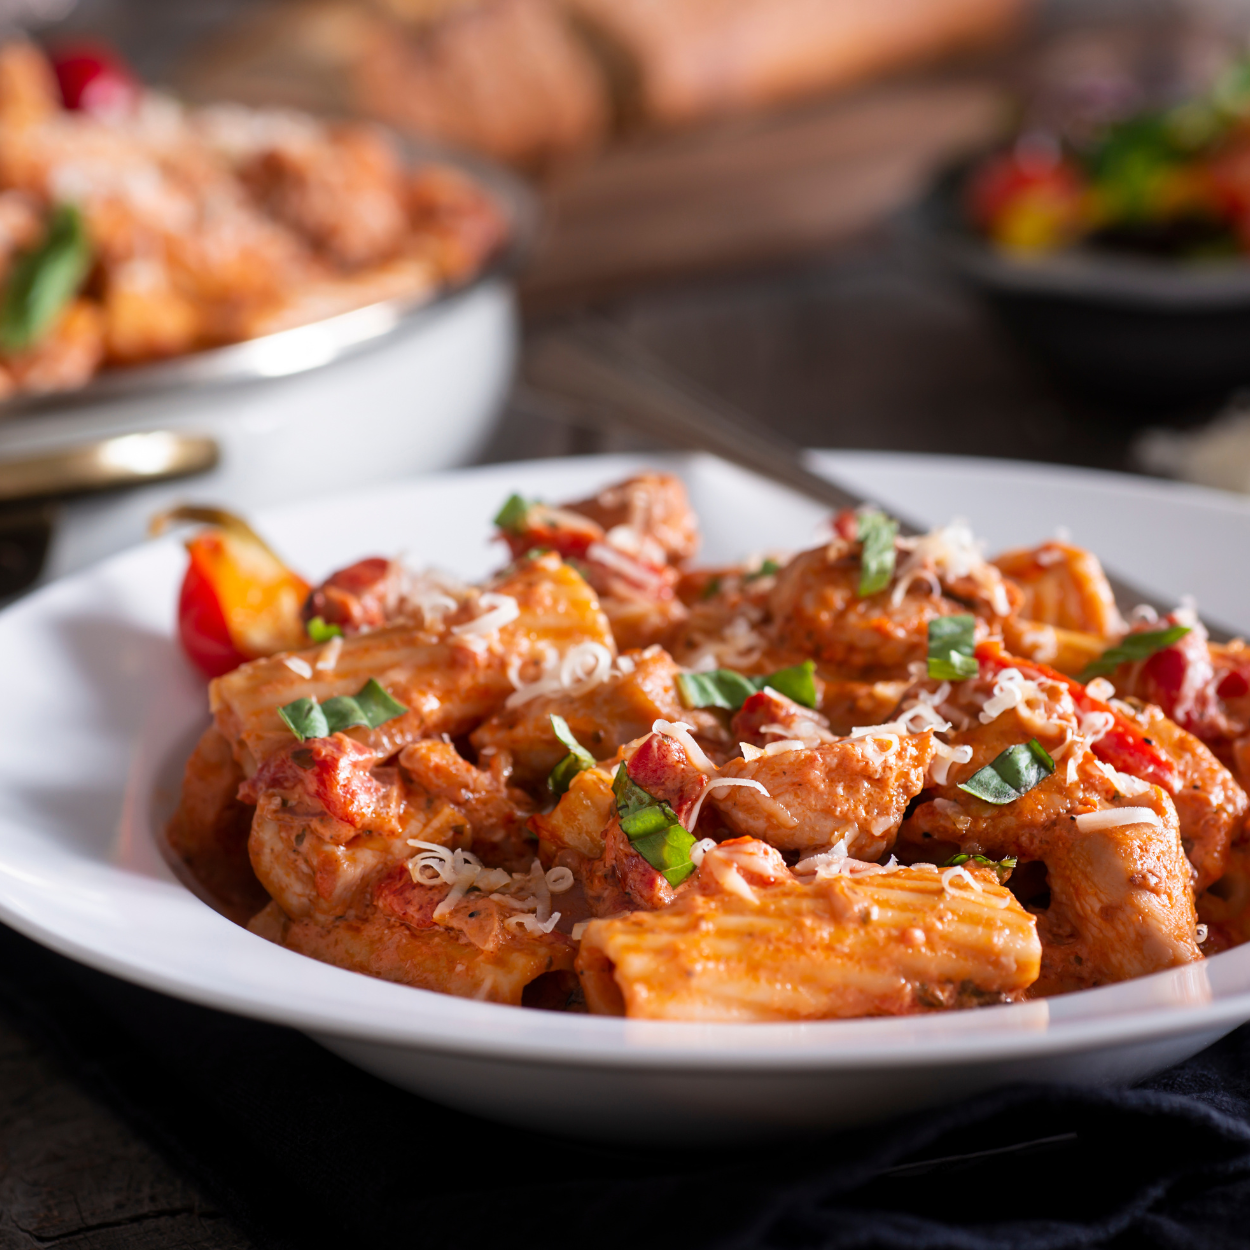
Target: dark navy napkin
(302,1149)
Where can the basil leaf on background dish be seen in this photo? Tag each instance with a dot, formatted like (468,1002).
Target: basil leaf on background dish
(653,829)
(766,569)
(1003,868)
(1013,773)
(370,706)
(319,631)
(876,534)
(952,640)
(44,280)
(729,689)
(1132,648)
(577,760)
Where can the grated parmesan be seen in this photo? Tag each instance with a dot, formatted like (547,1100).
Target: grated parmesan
(500,610)
(1114,817)
(960,872)
(329,656)
(679,731)
(721,783)
(299,667)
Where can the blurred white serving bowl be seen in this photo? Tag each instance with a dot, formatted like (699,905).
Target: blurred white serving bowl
(369,396)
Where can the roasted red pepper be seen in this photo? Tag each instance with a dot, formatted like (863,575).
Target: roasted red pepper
(238,600)
(1124,746)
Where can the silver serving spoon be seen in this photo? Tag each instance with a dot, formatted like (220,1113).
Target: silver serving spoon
(595,374)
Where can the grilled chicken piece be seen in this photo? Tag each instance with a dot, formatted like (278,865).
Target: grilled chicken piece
(640,688)
(750,941)
(856,789)
(1111,903)
(654,508)
(449,793)
(817,611)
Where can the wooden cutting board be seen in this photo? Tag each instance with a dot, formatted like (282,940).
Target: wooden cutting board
(753,190)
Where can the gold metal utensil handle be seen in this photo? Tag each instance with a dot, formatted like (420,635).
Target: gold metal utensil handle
(108,464)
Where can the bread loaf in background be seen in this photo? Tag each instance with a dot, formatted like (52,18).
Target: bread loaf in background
(678,61)
(535,82)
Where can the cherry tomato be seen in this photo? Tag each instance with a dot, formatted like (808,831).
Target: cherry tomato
(238,600)
(94,79)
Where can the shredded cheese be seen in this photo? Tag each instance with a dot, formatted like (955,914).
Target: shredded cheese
(1114,817)
(583,667)
(1100,688)
(943,757)
(700,849)
(500,610)
(299,667)
(679,731)
(960,872)
(730,879)
(721,783)
(328,657)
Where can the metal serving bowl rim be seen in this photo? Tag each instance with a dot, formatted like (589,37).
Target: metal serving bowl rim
(315,344)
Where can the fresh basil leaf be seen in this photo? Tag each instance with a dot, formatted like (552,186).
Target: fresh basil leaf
(376,705)
(1015,772)
(652,828)
(370,706)
(668,852)
(1131,648)
(577,760)
(766,569)
(305,719)
(511,517)
(952,640)
(724,687)
(876,562)
(797,682)
(319,631)
(1003,868)
(720,688)
(43,280)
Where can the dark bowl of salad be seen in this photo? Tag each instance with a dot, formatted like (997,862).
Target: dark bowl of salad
(1122,262)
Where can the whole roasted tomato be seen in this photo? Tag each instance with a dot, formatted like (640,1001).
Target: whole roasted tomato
(238,601)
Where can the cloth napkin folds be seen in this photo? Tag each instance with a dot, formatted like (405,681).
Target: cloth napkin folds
(302,1149)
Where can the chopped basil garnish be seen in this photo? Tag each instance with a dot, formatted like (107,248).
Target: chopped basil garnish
(720,688)
(370,706)
(723,687)
(1014,773)
(876,561)
(653,829)
(45,279)
(1131,648)
(766,569)
(577,760)
(951,643)
(511,517)
(319,631)
(1002,867)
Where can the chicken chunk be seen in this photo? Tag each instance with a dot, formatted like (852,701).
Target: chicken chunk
(1065,586)
(1112,902)
(856,789)
(639,689)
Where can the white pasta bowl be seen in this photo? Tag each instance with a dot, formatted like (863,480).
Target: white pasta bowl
(104,710)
